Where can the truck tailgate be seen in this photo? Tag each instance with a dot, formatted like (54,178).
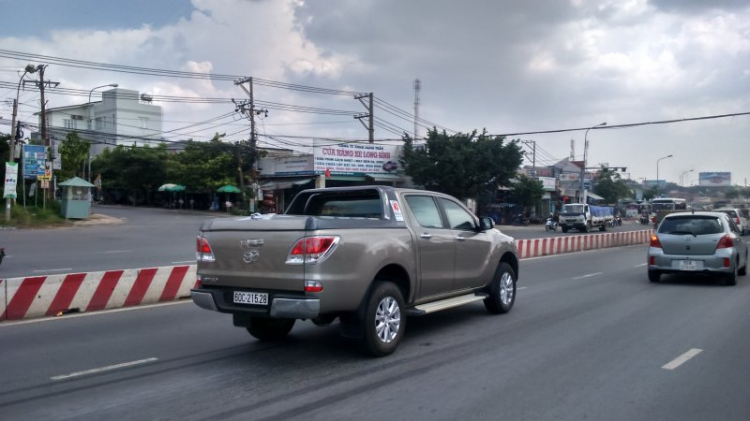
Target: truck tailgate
(251,253)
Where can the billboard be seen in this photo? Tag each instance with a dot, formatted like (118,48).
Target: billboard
(354,158)
(714,179)
(34,161)
(653,183)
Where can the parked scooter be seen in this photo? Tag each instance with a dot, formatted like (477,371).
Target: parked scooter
(550,225)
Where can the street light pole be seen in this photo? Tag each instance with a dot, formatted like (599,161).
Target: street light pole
(30,68)
(657,173)
(585,158)
(682,183)
(90,126)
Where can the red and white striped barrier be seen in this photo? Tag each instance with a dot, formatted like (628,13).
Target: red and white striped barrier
(39,296)
(536,247)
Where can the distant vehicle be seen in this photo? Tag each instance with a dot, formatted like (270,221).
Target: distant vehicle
(585,217)
(737,217)
(698,242)
(665,205)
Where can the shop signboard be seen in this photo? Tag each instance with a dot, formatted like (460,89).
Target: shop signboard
(355,158)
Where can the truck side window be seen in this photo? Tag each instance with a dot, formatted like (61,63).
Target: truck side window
(425,210)
(458,218)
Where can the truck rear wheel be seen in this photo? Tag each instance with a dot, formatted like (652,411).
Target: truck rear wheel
(384,320)
(265,329)
(502,290)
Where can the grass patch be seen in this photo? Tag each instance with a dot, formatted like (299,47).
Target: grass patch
(34,217)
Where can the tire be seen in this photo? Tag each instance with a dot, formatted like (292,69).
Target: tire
(587,227)
(653,276)
(565,230)
(384,321)
(502,290)
(265,329)
(603,227)
(731,278)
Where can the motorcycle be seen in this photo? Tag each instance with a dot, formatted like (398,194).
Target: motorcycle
(2,254)
(550,225)
(644,220)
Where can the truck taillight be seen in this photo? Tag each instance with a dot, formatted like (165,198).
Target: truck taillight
(312,250)
(203,251)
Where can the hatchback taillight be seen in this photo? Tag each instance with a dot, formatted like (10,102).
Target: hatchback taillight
(655,242)
(311,250)
(203,251)
(725,242)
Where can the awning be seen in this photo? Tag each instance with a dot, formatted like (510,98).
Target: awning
(391,178)
(285,183)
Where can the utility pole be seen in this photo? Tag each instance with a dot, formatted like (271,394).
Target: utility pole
(533,153)
(417,88)
(247,108)
(370,127)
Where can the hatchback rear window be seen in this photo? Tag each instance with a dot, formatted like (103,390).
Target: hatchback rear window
(695,225)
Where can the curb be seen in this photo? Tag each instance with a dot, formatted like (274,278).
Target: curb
(54,295)
(536,247)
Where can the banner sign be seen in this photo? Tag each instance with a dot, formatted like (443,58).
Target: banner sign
(355,158)
(11,180)
(715,179)
(34,161)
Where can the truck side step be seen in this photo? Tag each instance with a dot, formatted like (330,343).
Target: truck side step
(445,304)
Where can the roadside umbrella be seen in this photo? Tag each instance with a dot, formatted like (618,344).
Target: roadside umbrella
(171,187)
(228,189)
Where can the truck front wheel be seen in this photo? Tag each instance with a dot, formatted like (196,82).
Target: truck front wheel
(502,290)
(265,329)
(384,320)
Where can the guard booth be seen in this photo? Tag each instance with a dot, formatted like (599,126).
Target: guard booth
(76,198)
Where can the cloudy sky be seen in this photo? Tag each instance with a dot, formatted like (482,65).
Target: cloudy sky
(511,66)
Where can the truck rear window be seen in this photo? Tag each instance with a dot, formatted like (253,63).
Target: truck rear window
(358,205)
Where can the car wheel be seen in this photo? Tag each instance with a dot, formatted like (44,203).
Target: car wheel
(384,321)
(502,290)
(653,276)
(731,278)
(588,227)
(265,329)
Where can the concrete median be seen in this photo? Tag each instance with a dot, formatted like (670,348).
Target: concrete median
(55,295)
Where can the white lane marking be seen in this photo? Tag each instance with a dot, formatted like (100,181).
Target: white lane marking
(682,359)
(118,251)
(641,265)
(589,275)
(51,270)
(93,313)
(186,261)
(101,369)
(520,288)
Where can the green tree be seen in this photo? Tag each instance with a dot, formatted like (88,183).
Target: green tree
(611,187)
(649,193)
(138,170)
(462,165)
(527,192)
(204,166)
(75,152)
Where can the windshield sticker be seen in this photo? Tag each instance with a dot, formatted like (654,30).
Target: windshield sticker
(397,210)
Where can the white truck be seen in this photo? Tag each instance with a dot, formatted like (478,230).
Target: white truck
(585,217)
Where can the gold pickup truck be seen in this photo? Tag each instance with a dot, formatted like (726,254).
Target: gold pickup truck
(367,256)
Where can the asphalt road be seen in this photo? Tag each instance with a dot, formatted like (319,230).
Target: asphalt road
(589,338)
(147,237)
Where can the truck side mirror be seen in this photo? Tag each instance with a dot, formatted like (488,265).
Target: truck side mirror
(486,223)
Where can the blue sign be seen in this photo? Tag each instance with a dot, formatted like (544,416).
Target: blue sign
(34,161)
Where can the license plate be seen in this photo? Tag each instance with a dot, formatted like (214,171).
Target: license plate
(257,298)
(688,265)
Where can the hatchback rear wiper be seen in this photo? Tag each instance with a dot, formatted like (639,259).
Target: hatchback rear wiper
(681,233)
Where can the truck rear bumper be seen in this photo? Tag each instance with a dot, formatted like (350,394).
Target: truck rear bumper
(281,307)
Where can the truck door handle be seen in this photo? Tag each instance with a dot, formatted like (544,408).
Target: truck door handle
(459,238)
(426,236)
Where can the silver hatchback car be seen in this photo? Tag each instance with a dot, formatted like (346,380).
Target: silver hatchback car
(698,242)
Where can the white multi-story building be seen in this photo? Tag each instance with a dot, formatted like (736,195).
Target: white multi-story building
(122,117)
